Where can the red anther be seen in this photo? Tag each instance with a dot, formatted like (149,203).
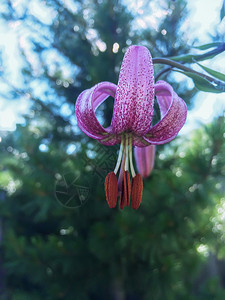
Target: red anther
(111,189)
(137,188)
(126,191)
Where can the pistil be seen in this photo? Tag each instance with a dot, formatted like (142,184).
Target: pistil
(137,183)
(124,185)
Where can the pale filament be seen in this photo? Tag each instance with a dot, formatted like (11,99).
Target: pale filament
(130,157)
(120,155)
(126,153)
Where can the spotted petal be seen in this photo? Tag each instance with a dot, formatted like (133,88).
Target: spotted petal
(134,100)
(173,112)
(86,105)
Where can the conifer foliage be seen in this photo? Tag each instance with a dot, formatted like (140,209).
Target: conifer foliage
(60,240)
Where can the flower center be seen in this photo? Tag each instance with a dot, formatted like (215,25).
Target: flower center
(124,188)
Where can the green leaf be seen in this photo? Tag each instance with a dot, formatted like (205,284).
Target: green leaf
(203,84)
(222,11)
(184,58)
(189,58)
(215,74)
(208,46)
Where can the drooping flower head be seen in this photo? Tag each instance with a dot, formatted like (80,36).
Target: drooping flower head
(131,123)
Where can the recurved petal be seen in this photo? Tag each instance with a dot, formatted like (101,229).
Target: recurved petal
(87,102)
(111,139)
(144,158)
(134,100)
(163,90)
(138,141)
(173,112)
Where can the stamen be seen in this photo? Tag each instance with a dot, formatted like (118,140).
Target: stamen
(137,188)
(126,191)
(111,189)
(121,174)
(124,183)
(126,153)
(120,155)
(130,157)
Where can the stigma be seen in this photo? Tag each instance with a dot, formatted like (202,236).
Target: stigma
(128,190)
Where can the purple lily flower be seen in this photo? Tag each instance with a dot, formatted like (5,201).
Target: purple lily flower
(132,119)
(145,158)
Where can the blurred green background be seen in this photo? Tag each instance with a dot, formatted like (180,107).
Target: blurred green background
(59,239)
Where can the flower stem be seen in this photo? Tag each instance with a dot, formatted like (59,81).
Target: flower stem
(177,65)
